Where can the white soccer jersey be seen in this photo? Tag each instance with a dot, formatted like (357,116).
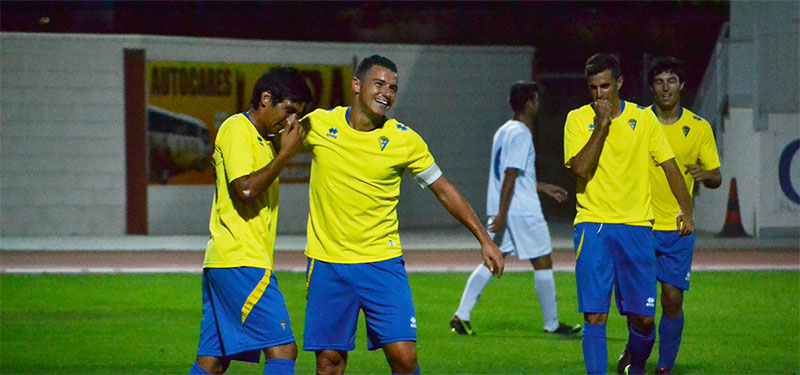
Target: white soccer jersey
(512,147)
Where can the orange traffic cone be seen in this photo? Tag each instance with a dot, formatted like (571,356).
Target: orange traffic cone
(733,220)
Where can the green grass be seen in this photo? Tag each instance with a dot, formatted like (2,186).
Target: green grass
(737,322)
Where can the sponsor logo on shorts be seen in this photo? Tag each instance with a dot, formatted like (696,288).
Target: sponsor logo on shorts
(687,276)
(651,302)
(413,322)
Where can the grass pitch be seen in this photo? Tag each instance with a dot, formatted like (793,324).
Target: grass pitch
(736,322)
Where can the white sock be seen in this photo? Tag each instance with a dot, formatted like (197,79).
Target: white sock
(472,291)
(546,291)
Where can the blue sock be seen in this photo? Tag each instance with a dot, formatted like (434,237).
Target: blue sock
(415,372)
(595,350)
(670,332)
(197,370)
(640,347)
(279,366)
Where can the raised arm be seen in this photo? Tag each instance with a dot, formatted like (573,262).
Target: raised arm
(678,187)
(459,208)
(249,187)
(584,162)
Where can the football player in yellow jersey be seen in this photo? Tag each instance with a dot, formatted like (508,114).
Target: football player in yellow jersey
(692,140)
(355,259)
(244,312)
(610,144)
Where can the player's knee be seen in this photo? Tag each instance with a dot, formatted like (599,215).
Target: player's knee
(212,364)
(404,364)
(330,362)
(286,351)
(643,325)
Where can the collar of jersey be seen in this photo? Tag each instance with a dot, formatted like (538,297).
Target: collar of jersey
(680,111)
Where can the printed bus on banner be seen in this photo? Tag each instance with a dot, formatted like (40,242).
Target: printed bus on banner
(188,101)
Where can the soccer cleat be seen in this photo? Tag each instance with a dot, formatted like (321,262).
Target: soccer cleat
(627,370)
(624,361)
(462,327)
(663,371)
(566,329)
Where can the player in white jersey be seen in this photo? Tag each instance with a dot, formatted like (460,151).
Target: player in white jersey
(516,222)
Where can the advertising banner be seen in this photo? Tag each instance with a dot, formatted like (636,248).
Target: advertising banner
(188,101)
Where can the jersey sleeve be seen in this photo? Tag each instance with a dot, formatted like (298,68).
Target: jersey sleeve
(419,158)
(574,138)
(709,157)
(232,144)
(514,153)
(660,150)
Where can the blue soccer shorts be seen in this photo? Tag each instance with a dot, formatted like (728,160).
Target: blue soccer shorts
(674,257)
(336,293)
(619,256)
(243,313)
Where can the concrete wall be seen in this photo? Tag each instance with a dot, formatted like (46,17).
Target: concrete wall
(62,144)
(760,64)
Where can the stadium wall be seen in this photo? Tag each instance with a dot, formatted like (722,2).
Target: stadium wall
(62,126)
(751,92)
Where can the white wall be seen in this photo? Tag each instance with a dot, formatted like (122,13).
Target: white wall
(62,131)
(762,71)
(61,135)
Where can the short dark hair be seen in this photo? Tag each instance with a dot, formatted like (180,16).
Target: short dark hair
(282,82)
(368,62)
(521,92)
(663,64)
(601,62)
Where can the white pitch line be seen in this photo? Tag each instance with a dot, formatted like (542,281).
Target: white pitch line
(411,269)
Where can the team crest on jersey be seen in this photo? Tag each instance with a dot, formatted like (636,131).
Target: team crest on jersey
(383,141)
(685,131)
(332,133)
(632,123)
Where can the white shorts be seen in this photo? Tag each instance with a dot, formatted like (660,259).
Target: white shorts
(526,237)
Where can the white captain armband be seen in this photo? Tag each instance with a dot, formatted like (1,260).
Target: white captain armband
(428,176)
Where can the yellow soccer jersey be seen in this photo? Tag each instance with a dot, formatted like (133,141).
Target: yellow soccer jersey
(619,190)
(355,185)
(692,140)
(241,235)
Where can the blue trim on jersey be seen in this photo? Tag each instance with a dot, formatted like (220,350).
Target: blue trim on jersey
(497,164)
(347,115)
(680,111)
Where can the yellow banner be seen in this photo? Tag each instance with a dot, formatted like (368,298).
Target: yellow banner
(188,101)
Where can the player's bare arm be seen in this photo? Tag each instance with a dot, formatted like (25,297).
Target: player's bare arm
(553,191)
(498,225)
(249,187)
(584,162)
(459,208)
(685,220)
(711,179)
